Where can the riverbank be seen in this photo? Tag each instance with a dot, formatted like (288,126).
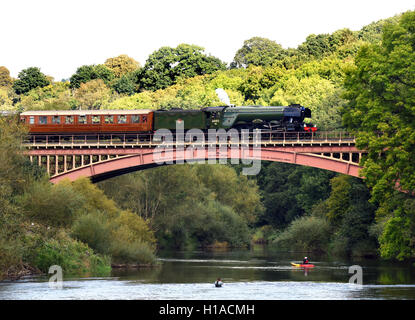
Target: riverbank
(19,272)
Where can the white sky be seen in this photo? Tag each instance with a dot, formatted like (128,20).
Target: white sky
(60,36)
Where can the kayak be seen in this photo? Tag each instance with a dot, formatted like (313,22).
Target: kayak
(308,265)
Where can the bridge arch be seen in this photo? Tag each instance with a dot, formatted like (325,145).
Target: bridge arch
(130,160)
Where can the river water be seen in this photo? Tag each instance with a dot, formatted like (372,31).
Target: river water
(256,274)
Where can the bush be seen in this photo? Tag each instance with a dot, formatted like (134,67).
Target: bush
(136,253)
(53,205)
(263,234)
(130,228)
(10,255)
(123,235)
(75,257)
(306,234)
(235,230)
(339,246)
(94,230)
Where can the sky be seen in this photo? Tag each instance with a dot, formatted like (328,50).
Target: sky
(60,36)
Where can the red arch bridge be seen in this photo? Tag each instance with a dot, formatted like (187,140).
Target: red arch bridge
(104,156)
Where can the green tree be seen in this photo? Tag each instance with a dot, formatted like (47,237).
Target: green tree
(93,94)
(15,175)
(91,72)
(121,65)
(258,51)
(5,79)
(381,94)
(53,205)
(309,91)
(351,216)
(289,191)
(316,46)
(397,239)
(166,65)
(313,187)
(124,85)
(308,233)
(190,205)
(373,32)
(342,37)
(6,99)
(29,79)
(56,96)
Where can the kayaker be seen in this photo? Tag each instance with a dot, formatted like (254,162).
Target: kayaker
(305,260)
(218,283)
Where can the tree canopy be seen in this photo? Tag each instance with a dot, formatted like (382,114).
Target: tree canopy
(91,72)
(300,207)
(29,79)
(5,79)
(93,94)
(121,65)
(258,51)
(166,65)
(56,96)
(381,109)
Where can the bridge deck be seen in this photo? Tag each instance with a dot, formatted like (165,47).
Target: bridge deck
(101,155)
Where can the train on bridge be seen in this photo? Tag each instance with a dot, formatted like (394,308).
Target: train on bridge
(274,118)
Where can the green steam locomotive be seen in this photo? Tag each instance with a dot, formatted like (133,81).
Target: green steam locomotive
(276,118)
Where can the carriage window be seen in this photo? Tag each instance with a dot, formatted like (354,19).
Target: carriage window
(135,119)
(144,119)
(122,119)
(31,120)
(22,119)
(43,120)
(69,120)
(109,119)
(82,119)
(96,119)
(56,119)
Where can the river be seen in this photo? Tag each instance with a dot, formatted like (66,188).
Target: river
(256,274)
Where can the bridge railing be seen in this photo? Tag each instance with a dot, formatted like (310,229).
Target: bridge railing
(147,139)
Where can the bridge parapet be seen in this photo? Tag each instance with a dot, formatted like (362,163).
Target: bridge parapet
(122,140)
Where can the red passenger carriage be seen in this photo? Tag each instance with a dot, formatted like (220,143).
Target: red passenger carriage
(88,121)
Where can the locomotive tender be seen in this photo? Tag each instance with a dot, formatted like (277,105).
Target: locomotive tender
(275,118)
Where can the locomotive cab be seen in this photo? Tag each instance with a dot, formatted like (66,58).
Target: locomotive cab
(214,116)
(307,112)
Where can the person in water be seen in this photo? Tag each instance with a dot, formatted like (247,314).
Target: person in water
(218,283)
(305,260)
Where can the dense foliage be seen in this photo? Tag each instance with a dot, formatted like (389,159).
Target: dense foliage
(381,91)
(29,79)
(356,80)
(87,73)
(43,224)
(288,192)
(190,205)
(341,224)
(165,66)
(258,51)
(381,110)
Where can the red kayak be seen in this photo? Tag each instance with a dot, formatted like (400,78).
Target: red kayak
(301,265)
